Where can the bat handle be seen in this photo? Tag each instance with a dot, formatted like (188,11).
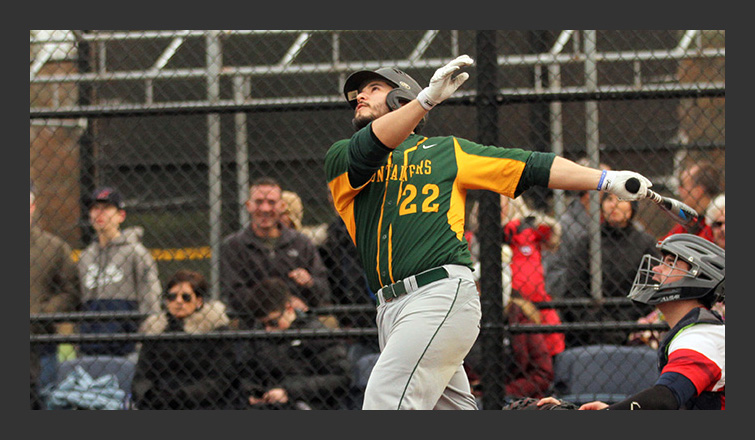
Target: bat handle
(633,185)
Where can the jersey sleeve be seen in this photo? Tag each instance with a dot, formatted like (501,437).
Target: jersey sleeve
(507,171)
(360,156)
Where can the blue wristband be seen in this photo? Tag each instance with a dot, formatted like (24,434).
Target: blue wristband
(602,176)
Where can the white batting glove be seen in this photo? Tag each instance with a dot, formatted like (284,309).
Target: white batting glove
(442,85)
(615,182)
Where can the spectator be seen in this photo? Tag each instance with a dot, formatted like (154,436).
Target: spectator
(683,285)
(292,213)
(53,288)
(574,225)
(527,233)
(266,249)
(715,217)
(117,273)
(530,373)
(290,373)
(622,248)
(184,373)
(699,183)
(291,210)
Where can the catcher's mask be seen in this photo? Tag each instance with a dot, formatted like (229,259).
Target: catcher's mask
(705,280)
(405,88)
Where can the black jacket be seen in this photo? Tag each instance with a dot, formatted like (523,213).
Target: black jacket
(184,373)
(622,251)
(315,371)
(245,260)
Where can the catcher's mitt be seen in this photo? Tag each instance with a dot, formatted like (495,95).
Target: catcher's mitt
(530,404)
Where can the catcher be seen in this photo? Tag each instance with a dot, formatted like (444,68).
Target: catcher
(684,285)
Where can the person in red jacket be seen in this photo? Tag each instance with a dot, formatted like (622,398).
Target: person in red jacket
(528,233)
(531,374)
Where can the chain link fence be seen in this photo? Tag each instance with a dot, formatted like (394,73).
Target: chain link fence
(178,124)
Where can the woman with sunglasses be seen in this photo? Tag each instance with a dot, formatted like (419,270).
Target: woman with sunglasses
(184,373)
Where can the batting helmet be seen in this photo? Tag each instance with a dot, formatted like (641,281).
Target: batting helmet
(705,280)
(405,87)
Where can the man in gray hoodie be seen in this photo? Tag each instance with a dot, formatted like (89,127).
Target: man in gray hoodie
(117,274)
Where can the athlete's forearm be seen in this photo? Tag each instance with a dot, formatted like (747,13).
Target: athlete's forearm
(656,397)
(394,127)
(568,175)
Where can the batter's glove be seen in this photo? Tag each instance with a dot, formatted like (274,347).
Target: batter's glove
(442,85)
(530,404)
(615,183)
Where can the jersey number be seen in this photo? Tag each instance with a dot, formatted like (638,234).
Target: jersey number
(410,193)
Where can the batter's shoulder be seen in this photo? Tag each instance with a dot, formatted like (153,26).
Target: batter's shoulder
(337,146)
(337,159)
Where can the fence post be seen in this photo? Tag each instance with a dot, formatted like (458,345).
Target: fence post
(87,168)
(214,64)
(490,228)
(593,153)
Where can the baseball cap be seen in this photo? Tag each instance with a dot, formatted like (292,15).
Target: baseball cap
(108,195)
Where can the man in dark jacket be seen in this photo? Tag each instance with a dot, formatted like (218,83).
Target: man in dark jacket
(623,246)
(266,249)
(289,372)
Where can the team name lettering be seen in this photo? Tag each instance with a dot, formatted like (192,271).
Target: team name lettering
(402,172)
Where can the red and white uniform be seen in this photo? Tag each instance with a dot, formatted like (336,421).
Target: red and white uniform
(697,352)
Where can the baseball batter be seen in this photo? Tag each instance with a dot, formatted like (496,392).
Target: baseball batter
(402,197)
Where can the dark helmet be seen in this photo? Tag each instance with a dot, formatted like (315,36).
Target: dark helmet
(705,280)
(405,87)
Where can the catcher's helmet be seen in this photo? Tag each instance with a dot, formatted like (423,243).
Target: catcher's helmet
(405,87)
(705,280)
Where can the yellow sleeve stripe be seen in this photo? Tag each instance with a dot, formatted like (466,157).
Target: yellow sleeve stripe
(456,210)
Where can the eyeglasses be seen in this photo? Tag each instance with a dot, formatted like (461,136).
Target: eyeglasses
(717,224)
(186,297)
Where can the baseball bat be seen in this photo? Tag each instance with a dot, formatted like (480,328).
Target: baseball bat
(677,210)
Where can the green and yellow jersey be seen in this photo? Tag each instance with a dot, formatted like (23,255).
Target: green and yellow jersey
(404,208)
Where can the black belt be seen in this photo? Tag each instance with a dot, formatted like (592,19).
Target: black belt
(399,288)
